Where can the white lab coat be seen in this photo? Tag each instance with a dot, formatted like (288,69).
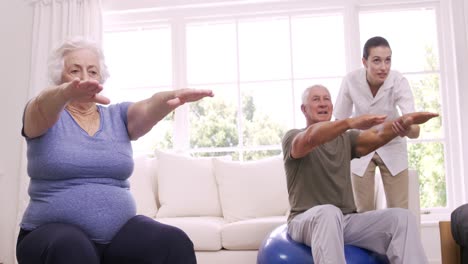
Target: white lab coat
(394,92)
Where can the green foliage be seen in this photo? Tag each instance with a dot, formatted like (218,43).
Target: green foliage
(248,107)
(163,141)
(428,160)
(214,125)
(262,131)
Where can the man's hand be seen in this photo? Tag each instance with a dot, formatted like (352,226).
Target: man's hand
(366,121)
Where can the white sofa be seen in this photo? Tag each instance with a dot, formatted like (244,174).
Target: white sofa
(226,208)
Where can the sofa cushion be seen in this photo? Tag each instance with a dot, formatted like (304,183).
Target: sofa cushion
(251,189)
(186,186)
(205,232)
(249,234)
(142,184)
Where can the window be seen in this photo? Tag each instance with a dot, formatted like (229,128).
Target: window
(140,64)
(258,63)
(254,90)
(257,95)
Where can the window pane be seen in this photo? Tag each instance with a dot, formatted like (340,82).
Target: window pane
(211,53)
(318,46)
(260,154)
(132,94)
(138,58)
(428,159)
(140,64)
(412,35)
(160,137)
(266,108)
(427,98)
(213,121)
(264,50)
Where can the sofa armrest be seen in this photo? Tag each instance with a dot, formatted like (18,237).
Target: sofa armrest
(449,248)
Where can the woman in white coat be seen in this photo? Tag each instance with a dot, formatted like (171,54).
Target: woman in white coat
(376,89)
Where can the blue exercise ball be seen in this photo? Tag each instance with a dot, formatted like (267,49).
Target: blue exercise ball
(279,248)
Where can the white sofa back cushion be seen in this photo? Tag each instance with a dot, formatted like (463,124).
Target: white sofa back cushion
(251,189)
(142,184)
(186,186)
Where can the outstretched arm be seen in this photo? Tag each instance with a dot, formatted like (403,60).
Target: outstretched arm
(43,111)
(143,115)
(322,132)
(372,139)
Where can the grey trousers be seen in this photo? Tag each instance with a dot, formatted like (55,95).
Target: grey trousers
(392,232)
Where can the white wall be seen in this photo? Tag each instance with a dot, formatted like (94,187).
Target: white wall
(15,49)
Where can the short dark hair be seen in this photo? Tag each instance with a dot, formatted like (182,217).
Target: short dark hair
(373,42)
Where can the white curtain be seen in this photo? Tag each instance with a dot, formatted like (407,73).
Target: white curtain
(466,18)
(53,22)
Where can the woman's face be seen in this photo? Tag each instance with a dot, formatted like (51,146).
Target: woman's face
(378,65)
(82,64)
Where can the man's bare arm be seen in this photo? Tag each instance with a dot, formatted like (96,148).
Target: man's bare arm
(322,132)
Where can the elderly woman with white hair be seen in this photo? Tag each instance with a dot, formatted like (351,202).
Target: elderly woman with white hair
(79,159)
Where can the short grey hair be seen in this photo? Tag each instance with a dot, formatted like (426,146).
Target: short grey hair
(305,94)
(56,59)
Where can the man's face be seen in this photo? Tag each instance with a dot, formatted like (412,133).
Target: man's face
(378,65)
(318,106)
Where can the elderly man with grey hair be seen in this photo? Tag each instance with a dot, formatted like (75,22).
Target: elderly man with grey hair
(317,164)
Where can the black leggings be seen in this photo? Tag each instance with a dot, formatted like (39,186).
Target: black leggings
(140,241)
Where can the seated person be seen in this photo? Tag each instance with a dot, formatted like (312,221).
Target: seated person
(317,164)
(79,159)
(459,226)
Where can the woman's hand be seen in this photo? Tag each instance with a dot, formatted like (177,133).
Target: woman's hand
(407,125)
(84,91)
(400,129)
(183,96)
